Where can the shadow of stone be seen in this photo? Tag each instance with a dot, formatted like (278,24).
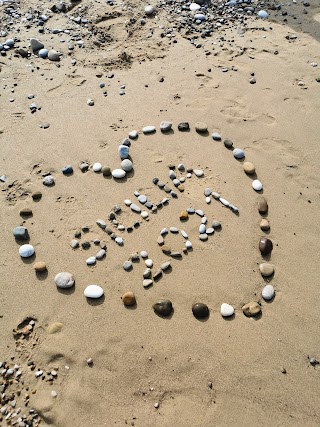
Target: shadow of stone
(96,301)
(66,291)
(42,275)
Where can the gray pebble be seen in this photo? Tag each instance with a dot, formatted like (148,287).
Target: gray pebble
(135,208)
(165,126)
(127,265)
(101,254)
(203,237)
(20,233)
(48,180)
(101,224)
(207,192)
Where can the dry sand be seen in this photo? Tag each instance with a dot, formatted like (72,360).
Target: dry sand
(259,368)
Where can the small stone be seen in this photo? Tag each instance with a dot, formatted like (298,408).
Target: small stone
(20,233)
(194,6)
(257,185)
(264,224)
(216,136)
(147,283)
(135,208)
(36,45)
(106,171)
(144,214)
(144,254)
(26,212)
(163,307)
(268,292)
(188,245)
(133,134)
(251,309)
(149,10)
(148,129)
(64,280)
(249,168)
(176,254)
(55,327)
(210,230)
(199,212)
(157,275)
(43,53)
(85,244)
(26,251)
(203,237)
(183,126)
(174,230)
(123,151)
(101,254)
(166,250)
(165,126)
(201,127)
(253,80)
(84,167)
(67,170)
(200,310)
(142,199)
(53,393)
(40,266)
(234,208)
(127,265)
(181,188)
(202,228)
(37,195)
(228,144)
(184,234)
(147,273)
(48,180)
(126,165)
(266,269)
(101,224)
(224,201)
(149,262)
(265,246)
(263,14)
(215,195)
(198,172)
(118,173)
(160,241)
(181,167)
(97,167)
(262,205)
(226,310)
(129,299)
(93,291)
(207,192)
(238,153)
(91,260)
(183,216)
(165,265)
(216,225)
(53,55)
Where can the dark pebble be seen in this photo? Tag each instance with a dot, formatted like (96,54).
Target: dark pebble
(67,170)
(228,144)
(183,126)
(163,307)
(106,171)
(200,310)
(36,195)
(265,246)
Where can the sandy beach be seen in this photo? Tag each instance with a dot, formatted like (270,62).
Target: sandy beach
(70,360)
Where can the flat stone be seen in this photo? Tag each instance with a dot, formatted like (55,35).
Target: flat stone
(203,237)
(165,265)
(265,246)
(149,262)
(165,126)
(238,153)
(36,45)
(176,254)
(135,208)
(228,143)
(264,224)
(226,310)
(48,180)
(37,195)
(119,241)
(216,136)
(91,260)
(163,307)
(234,208)
(184,234)
(127,265)
(188,244)
(262,205)
(215,195)
(26,212)
(183,216)
(198,172)
(20,233)
(142,198)
(251,309)
(268,292)
(201,127)
(183,126)
(106,171)
(147,283)
(129,299)
(64,280)
(199,212)
(144,254)
(257,185)
(26,251)
(53,55)
(210,230)
(266,269)
(144,214)
(101,224)
(157,275)
(123,151)
(149,10)
(202,228)
(174,230)
(133,134)
(93,291)
(55,327)
(118,173)
(249,168)
(200,310)
(40,266)
(148,129)
(100,254)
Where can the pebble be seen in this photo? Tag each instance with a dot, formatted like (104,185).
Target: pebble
(200,126)
(135,208)
(119,241)
(210,230)
(184,234)
(226,310)
(97,167)
(207,192)
(26,212)
(198,172)
(43,53)
(228,144)
(142,199)
(216,136)
(265,246)
(93,291)
(36,45)
(101,254)
(149,10)
(202,228)
(199,212)
(147,283)
(176,254)
(165,126)
(264,224)
(40,266)
(48,180)
(238,153)
(144,254)
(149,262)
(20,233)
(166,249)
(53,55)
(174,230)
(165,265)
(234,208)
(101,224)
(118,173)
(67,170)
(183,216)
(163,307)
(129,299)
(251,309)
(91,260)
(203,237)
(148,129)
(249,168)
(126,165)
(224,202)
(268,292)
(215,195)
(257,185)
(216,225)
(106,171)
(144,214)
(188,244)
(26,251)
(157,275)
(54,393)
(262,205)
(123,151)
(147,273)
(194,6)
(84,167)
(263,14)
(133,134)
(200,310)
(160,240)
(183,126)
(85,244)
(64,280)
(55,327)
(127,265)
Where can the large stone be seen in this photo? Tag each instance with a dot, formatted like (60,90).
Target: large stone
(53,55)
(93,291)
(36,45)
(64,280)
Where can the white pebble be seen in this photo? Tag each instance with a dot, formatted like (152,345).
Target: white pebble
(93,291)
(198,172)
(144,214)
(224,201)
(25,251)
(118,173)
(268,292)
(188,244)
(54,393)
(97,167)
(127,202)
(257,185)
(208,200)
(149,262)
(119,241)
(144,254)
(184,234)
(163,232)
(91,260)
(202,229)
(226,310)
(149,10)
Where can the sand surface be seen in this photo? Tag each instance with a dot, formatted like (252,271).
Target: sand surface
(241,372)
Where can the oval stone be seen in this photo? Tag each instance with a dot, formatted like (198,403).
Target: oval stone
(165,265)
(148,129)
(257,185)
(127,265)
(40,266)
(265,246)
(129,299)
(198,172)
(202,229)
(149,10)
(123,151)
(163,307)
(184,216)
(118,173)
(165,126)
(91,260)
(200,310)
(266,269)
(106,171)
(93,291)
(20,233)
(268,292)
(238,153)
(262,205)
(251,309)
(126,165)
(264,225)
(226,310)
(64,280)
(216,136)
(200,126)
(249,168)
(25,251)
(97,167)
(55,327)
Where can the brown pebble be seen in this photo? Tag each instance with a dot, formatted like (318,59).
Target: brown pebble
(40,266)
(265,246)
(166,250)
(264,225)
(251,309)
(262,205)
(183,216)
(26,212)
(181,188)
(249,168)
(129,299)
(36,195)
(200,310)
(106,171)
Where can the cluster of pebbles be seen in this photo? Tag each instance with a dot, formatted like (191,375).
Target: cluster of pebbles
(200,310)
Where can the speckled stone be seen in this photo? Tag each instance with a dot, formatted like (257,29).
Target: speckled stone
(251,309)
(200,310)
(163,307)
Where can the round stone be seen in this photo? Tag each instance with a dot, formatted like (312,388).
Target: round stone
(201,127)
(257,185)
(263,14)
(210,230)
(228,144)
(165,126)
(126,165)
(40,266)
(148,129)
(67,170)
(53,55)
(265,246)
(149,262)
(264,224)
(64,280)
(262,205)
(123,151)
(200,310)
(127,265)
(133,134)
(163,307)
(20,233)
(194,6)
(118,173)
(251,309)
(26,251)
(268,292)
(91,260)
(48,180)
(106,171)
(266,269)
(216,136)
(144,254)
(183,216)
(238,153)
(142,198)
(144,214)
(43,53)
(97,167)
(203,237)
(226,310)
(129,299)
(188,244)
(249,168)
(198,172)
(149,10)
(202,228)
(93,291)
